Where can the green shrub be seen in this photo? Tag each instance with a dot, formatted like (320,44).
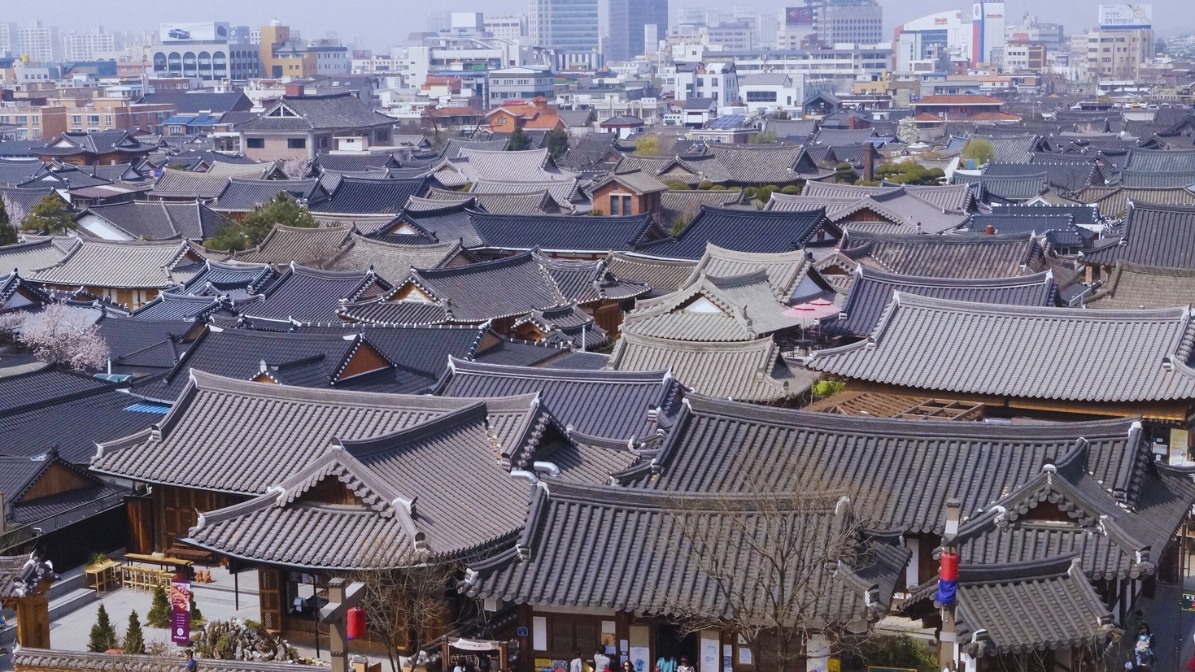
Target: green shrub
(705,185)
(103,634)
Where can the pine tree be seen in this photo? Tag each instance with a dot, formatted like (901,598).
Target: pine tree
(8,232)
(196,614)
(50,216)
(281,209)
(103,633)
(134,638)
(159,610)
(518,141)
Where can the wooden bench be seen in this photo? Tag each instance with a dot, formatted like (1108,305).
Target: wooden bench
(195,555)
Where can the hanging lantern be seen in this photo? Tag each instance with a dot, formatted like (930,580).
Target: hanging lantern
(949,569)
(355,623)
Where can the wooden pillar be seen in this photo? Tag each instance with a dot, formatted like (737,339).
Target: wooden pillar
(33,621)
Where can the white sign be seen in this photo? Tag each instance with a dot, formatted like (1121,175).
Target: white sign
(184,32)
(1126,16)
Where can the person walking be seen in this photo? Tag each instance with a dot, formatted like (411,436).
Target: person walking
(1143,650)
(189,665)
(684,665)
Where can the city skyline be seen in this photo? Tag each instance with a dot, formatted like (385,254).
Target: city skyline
(347,26)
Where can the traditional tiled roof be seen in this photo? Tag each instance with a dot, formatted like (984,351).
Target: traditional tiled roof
(1012,149)
(1081,214)
(233,279)
(25,198)
(382,310)
(175,306)
(843,136)
(760,164)
(871,292)
(491,289)
(565,233)
(284,244)
(681,206)
(958,256)
(741,231)
(745,370)
(392,261)
(321,112)
(563,192)
(1113,202)
(50,408)
(993,602)
(759,449)
(899,212)
(473,165)
(668,581)
(136,265)
(712,308)
(516,203)
(970,348)
(1158,161)
(139,342)
(637,181)
(1136,179)
(268,433)
(160,220)
(1059,230)
(784,270)
(1011,188)
(662,275)
(12,283)
(355,162)
(27,257)
(630,399)
(312,295)
(450,223)
(360,196)
(589,281)
(243,195)
(1153,235)
(955,198)
(1133,286)
(95,142)
(566,326)
(188,184)
(1067,177)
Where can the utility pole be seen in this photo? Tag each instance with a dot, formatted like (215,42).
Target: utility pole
(342,596)
(947,596)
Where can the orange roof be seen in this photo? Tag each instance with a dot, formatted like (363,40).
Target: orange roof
(958,100)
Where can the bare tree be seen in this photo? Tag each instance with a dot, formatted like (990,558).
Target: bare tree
(60,334)
(777,569)
(407,606)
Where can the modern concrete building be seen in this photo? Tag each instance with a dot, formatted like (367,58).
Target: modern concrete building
(628,19)
(203,51)
(88,46)
(987,32)
(568,27)
(518,83)
(931,42)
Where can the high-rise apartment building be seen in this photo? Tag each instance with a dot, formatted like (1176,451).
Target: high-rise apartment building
(848,21)
(8,38)
(36,41)
(510,28)
(570,27)
(628,18)
(87,46)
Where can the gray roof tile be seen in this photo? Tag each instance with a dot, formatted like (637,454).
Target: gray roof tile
(136,265)
(952,256)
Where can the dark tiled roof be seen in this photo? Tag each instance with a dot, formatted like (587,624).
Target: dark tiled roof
(321,112)
(492,289)
(451,223)
(680,206)
(344,163)
(517,203)
(236,280)
(72,423)
(732,308)
(1154,235)
(1067,177)
(784,270)
(671,581)
(242,437)
(161,220)
(1157,161)
(589,281)
(174,306)
(385,311)
(44,385)
(358,196)
(1113,202)
(194,102)
(1082,214)
(145,343)
(1010,188)
(971,348)
(1135,179)
(871,292)
(760,164)
(628,399)
(957,256)
(728,447)
(565,233)
(312,295)
(741,231)
(244,195)
(57,659)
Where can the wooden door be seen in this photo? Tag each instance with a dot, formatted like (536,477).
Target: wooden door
(270,594)
(140,511)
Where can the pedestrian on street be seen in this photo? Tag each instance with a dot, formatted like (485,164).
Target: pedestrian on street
(1144,647)
(190,665)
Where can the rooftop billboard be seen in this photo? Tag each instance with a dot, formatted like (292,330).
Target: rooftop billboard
(1126,17)
(192,32)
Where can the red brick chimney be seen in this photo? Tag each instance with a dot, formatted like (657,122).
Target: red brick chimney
(294,89)
(869,161)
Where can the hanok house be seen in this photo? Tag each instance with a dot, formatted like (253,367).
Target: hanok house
(1060,491)
(1029,360)
(751,231)
(113,147)
(632,193)
(310,439)
(629,574)
(128,273)
(17,293)
(59,508)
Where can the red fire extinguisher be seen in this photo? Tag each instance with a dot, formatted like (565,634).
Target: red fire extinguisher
(354,626)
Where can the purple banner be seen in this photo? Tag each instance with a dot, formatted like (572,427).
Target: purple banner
(180,611)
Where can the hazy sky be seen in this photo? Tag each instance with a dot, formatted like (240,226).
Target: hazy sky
(378,23)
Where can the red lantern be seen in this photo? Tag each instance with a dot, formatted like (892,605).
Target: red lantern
(355,623)
(949,571)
